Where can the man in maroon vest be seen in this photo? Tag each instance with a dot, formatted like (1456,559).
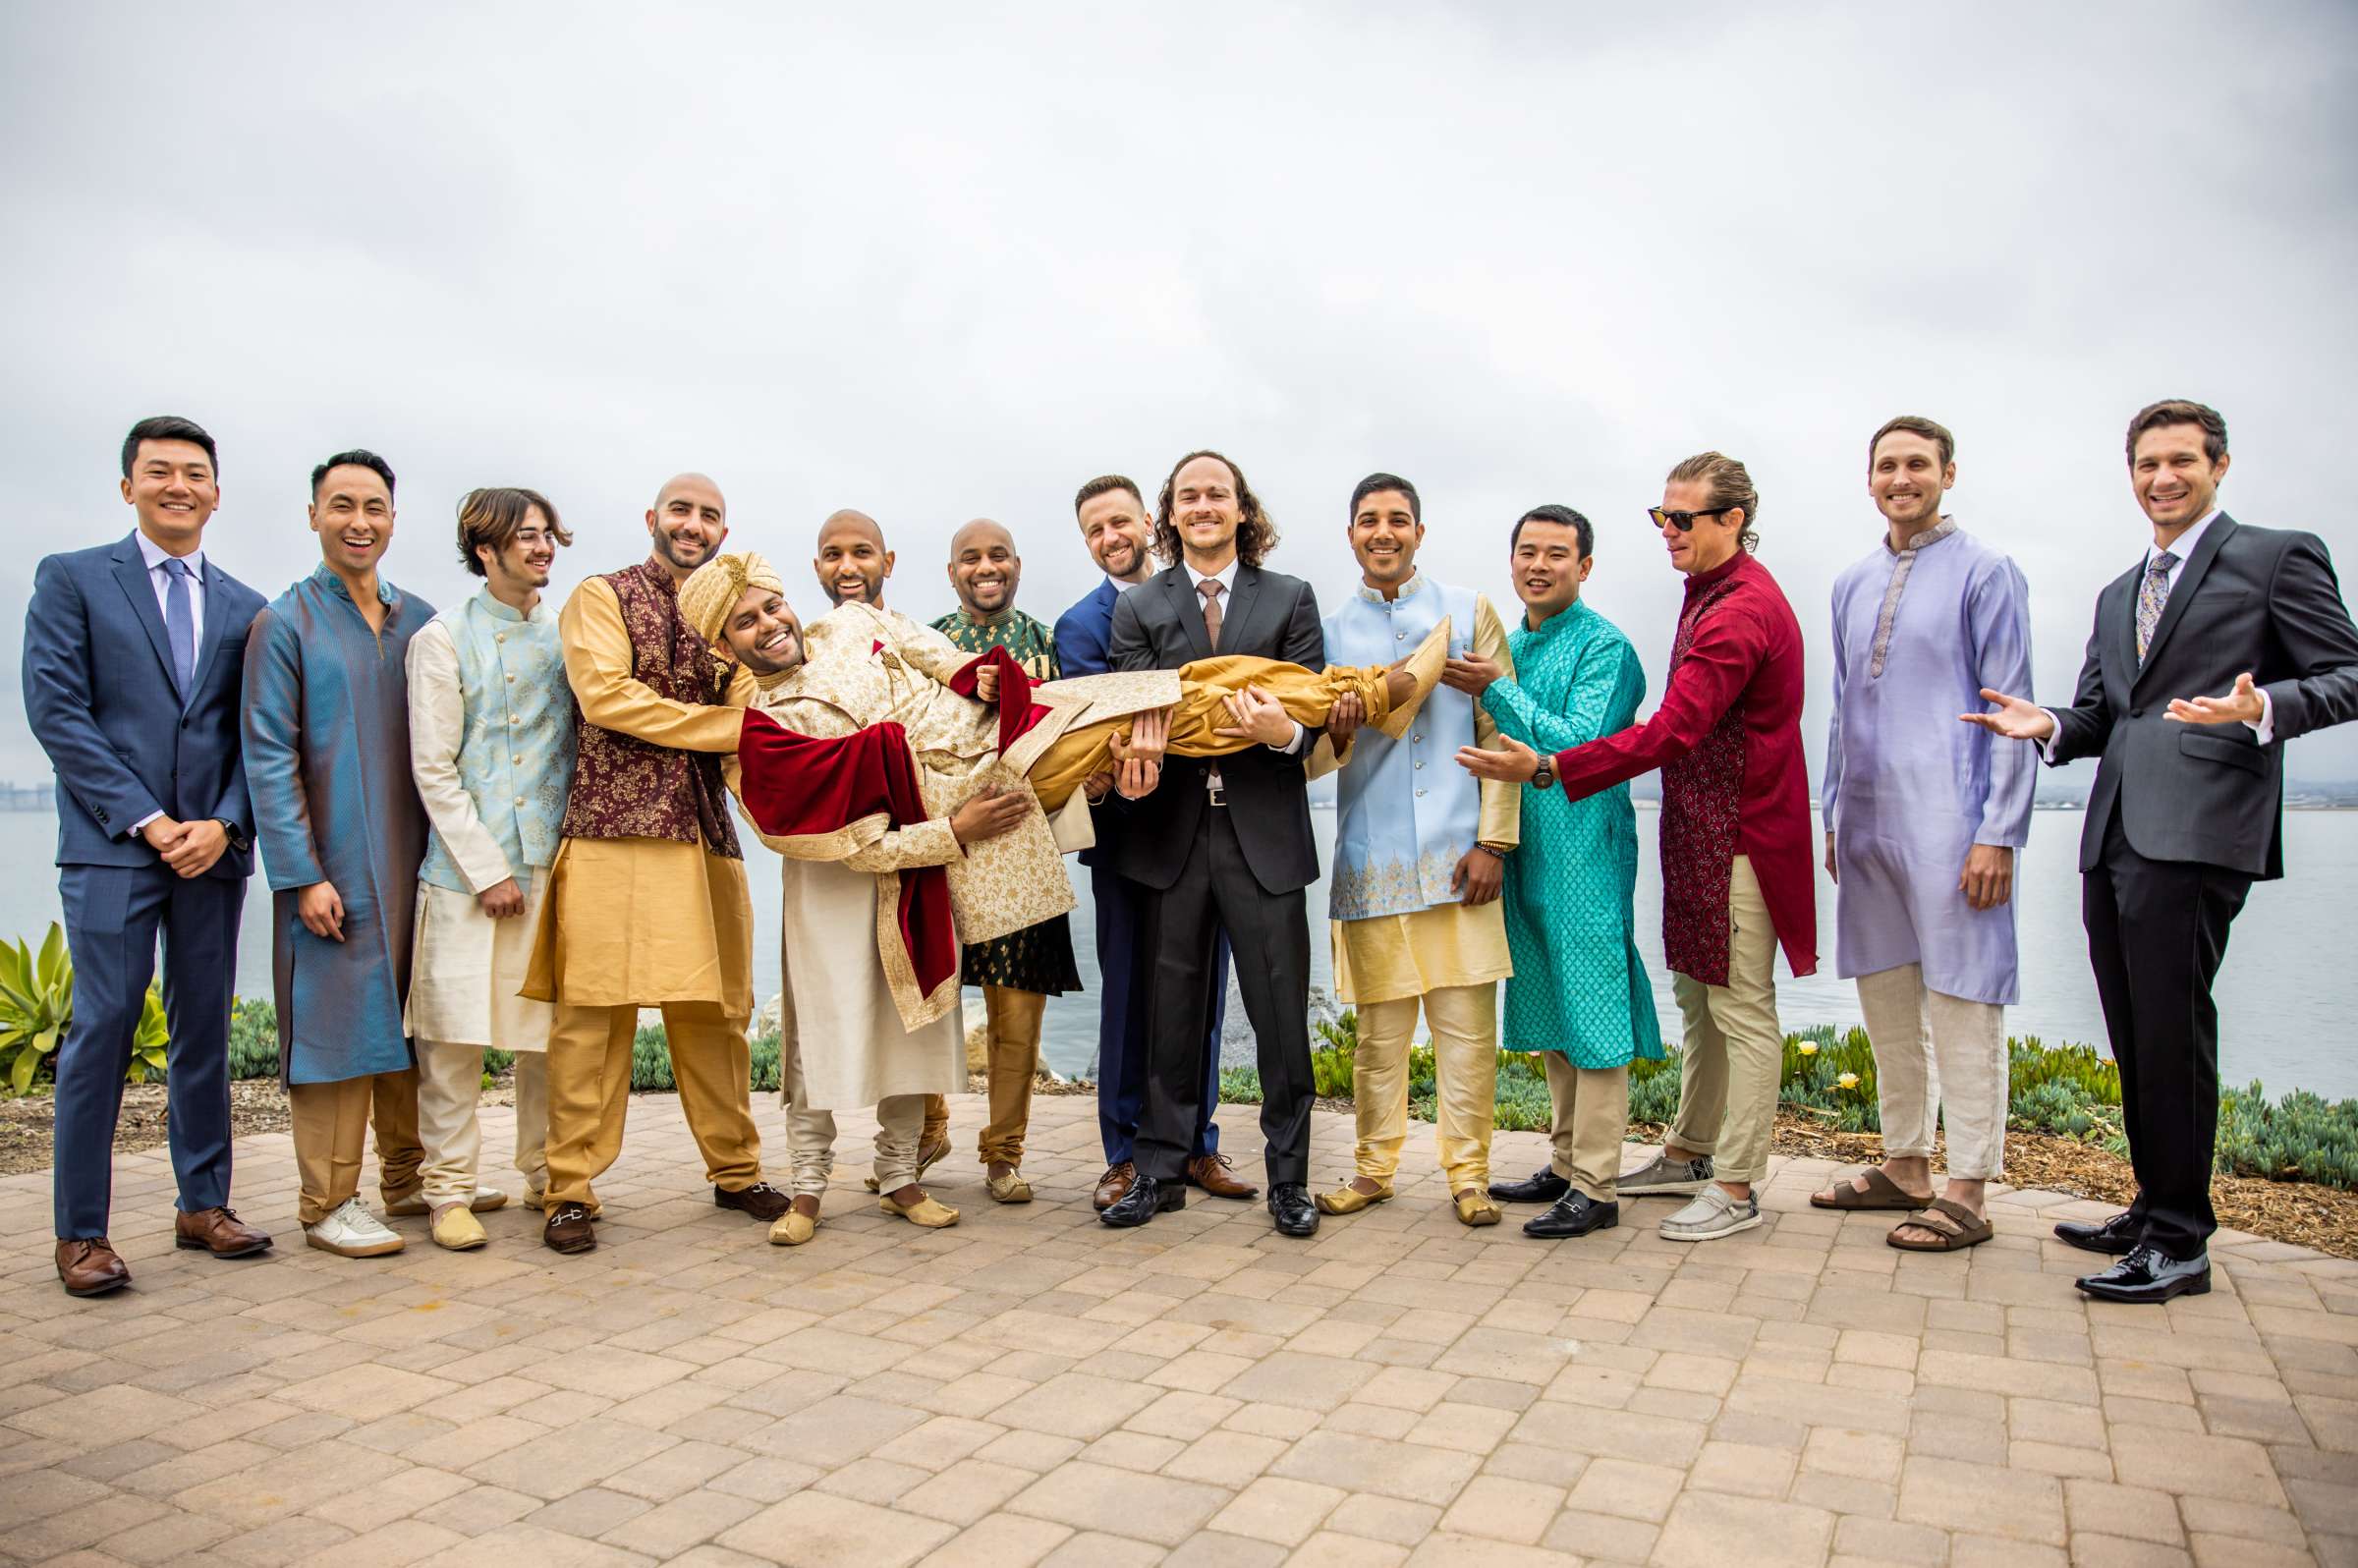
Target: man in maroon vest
(646,904)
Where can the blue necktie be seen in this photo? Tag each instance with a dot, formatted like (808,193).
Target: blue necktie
(180,623)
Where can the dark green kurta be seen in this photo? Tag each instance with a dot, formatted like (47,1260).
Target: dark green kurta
(1037,958)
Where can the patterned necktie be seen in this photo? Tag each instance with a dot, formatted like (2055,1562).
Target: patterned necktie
(180,623)
(2151,594)
(1210,587)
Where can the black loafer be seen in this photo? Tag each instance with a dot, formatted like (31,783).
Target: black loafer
(1145,1198)
(1575,1213)
(2115,1237)
(1544,1187)
(2148,1277)
(1291,1208)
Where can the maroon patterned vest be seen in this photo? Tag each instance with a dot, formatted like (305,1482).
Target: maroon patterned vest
(1700,794)
(624,787)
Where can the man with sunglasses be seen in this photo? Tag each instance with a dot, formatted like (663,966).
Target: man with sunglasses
(1737,875)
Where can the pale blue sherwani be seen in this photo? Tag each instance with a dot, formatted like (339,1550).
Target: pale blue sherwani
(515,756)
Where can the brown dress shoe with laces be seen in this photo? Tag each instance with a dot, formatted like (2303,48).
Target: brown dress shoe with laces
(762,1201)
(218,1231)
(1216,1176)
(1114,1185)
(86,1265)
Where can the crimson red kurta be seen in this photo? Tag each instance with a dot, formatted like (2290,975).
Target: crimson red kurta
(1727,738)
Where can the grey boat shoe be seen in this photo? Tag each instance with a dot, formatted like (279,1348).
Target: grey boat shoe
(1664,1177)
(1712,1215)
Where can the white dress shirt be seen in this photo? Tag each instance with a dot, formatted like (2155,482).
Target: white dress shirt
(155,555)
(1226,578)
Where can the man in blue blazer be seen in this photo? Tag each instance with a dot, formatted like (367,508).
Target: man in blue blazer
(133,654)
(1120,536)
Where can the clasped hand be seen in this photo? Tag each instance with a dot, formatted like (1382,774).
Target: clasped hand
(188,848)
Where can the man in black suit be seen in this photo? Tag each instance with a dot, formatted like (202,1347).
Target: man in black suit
(1222,844)
(2187,809)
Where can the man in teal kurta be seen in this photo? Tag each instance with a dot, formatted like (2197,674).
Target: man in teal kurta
(1578,995)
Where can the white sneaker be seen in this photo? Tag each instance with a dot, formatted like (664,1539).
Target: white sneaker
(351,1231)
(1713,1213)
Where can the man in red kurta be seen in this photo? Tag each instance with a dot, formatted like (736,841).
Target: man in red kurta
(1737,875)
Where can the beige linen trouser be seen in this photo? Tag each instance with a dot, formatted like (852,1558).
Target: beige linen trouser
(1734,1051)
(450,1080)
(1465,1060)
(331,1123)
(1938,1056)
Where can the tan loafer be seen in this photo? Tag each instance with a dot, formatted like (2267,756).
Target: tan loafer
(925,1211)
(794,1227)
(534,1198)
(1349,1199)
(1475,1208)
(1008,1189)
(457,1230)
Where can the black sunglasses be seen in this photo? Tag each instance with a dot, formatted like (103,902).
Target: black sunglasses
(1684,522)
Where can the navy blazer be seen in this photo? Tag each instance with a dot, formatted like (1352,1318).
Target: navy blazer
(1084,632)
(102,700)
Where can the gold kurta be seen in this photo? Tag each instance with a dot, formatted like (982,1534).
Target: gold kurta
(640,921)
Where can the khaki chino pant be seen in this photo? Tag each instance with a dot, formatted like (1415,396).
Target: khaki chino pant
(590,1094)
(331,1124)
(1012,1027)
(1465,1049)
(1942,1058)
(1735,1050)
(1589,1109)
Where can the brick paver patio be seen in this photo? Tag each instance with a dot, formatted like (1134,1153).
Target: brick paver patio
(1032,1388)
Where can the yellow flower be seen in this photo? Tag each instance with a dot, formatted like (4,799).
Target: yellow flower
(1848,1079)
(1807,1047)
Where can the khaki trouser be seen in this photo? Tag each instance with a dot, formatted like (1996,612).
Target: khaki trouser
(331,1124)
(590,1094)
(1465,1064)
(1943,1056)
(934,1130)
(1735,1050)
(1589,1113)
(810,1133)
(1012,1029)
(450,1081)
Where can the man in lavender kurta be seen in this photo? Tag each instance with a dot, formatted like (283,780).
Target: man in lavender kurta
(1923,818)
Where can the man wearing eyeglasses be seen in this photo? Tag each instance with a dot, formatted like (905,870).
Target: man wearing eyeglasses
(1737,875)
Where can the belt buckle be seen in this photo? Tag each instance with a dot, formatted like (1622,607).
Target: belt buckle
(1217,790)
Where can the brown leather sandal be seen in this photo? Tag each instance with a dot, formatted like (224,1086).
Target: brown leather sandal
(1882,1193)
(1957,1226)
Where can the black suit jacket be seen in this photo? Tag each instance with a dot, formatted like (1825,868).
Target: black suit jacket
(1159,626)
(2261,600)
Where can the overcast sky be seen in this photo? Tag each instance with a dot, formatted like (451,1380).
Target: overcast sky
(939,263)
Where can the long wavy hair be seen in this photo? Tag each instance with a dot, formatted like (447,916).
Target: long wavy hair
(1255,531)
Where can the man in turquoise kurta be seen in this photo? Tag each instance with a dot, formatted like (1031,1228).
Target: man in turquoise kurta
(326,723)
(1578,995)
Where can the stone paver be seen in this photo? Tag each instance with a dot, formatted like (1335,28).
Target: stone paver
(1030,1390)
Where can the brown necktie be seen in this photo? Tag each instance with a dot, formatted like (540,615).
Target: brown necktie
(1210,587)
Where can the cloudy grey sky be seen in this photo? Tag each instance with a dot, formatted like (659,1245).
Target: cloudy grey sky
(938,262)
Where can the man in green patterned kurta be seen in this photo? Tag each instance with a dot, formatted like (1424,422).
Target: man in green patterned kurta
(1019,973)
(1578,992)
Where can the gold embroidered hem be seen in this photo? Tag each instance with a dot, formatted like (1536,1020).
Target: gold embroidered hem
(640,921)
(1387,958)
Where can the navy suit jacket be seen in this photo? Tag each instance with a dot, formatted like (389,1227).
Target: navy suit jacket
(1082,635)
(102,700)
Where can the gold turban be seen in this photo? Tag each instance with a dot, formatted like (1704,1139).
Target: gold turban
(714,589)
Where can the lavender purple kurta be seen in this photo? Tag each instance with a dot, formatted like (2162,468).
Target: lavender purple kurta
(1908,790)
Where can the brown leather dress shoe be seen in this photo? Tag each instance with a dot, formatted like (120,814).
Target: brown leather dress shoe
(762,1201)
(568,1229)
(86,1265)
(218,1231)
(1216,1176)
(1114,1185)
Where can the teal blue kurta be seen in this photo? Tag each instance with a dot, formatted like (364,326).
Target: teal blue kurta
(1578,987)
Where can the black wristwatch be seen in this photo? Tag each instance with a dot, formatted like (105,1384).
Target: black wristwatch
(236,837)
(1544,777)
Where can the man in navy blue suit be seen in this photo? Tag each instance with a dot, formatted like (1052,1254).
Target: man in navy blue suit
(133,654)
(1119,534)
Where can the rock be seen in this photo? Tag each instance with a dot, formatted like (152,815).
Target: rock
(771,1019)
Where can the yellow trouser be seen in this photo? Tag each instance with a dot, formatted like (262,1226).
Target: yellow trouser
(1589,1116)
(1465,1052)
(331,1130)
(590,1094)
(1013,1030)
(1735,1050)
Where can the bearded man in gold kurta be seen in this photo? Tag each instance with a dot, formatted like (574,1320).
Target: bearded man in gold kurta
(646,904)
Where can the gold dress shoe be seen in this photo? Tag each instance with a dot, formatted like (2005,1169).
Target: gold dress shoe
(1008,1189)
(925,1211)
(485,1199)
(794,1227)
(1474,1207)
(456,1229)
(1349,1199)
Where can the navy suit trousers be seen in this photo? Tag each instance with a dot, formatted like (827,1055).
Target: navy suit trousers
(114,915)
(1122,1022)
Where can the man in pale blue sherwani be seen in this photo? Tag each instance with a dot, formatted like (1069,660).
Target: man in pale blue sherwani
(1923,818)
(326,721)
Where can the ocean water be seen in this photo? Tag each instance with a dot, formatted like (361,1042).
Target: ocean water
(2286,995)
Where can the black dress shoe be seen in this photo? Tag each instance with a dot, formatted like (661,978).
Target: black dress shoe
(2116,1236)
(1291,1208)
(2149,1277)
(1545,1187)
(1575,1213)
(1145,1198)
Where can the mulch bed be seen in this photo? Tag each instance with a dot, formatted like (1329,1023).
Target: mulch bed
(2301,1212)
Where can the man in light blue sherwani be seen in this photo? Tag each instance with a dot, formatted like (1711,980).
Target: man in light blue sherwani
(342,832)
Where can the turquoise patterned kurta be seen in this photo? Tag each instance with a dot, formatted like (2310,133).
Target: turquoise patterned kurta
(1578,987)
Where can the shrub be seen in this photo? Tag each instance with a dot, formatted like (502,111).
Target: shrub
(2303,1137)
(36,1007)
(253,1039)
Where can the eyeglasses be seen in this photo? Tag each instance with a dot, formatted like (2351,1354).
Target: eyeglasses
(1684,522)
